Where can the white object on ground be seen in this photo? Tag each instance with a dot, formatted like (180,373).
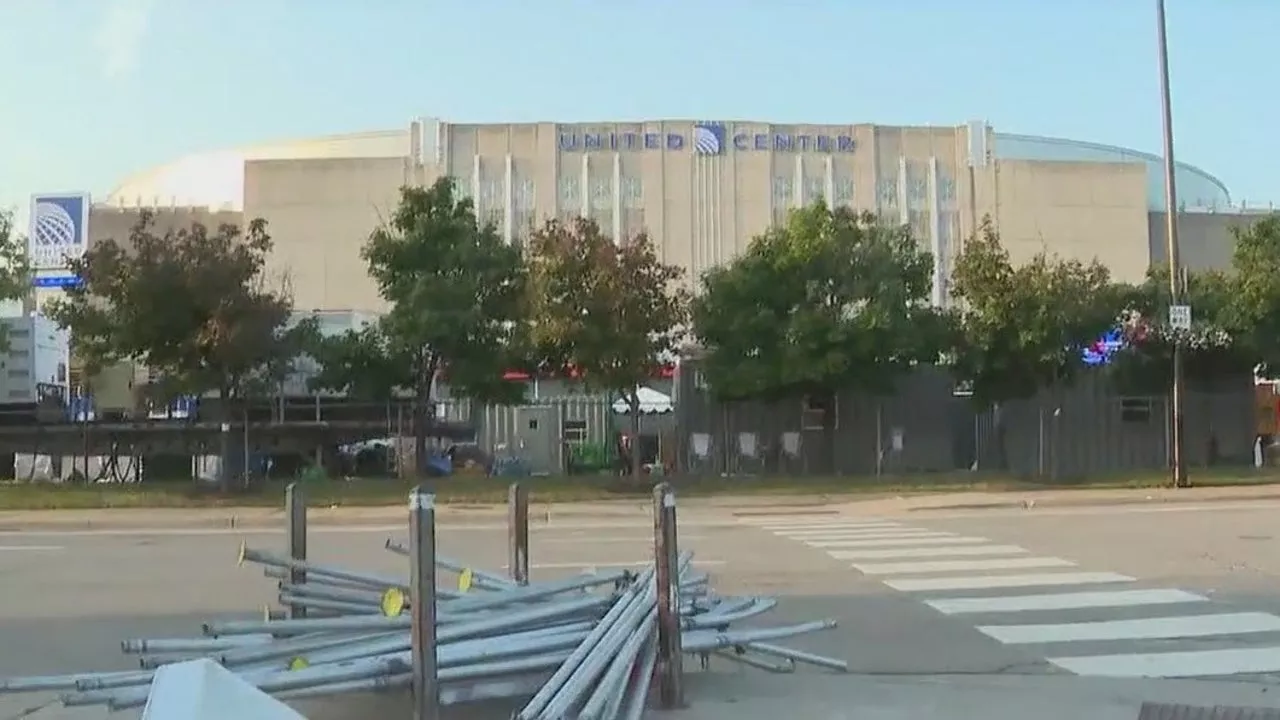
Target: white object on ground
(204,690)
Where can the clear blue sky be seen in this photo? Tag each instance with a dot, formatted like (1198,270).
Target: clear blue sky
(96,89)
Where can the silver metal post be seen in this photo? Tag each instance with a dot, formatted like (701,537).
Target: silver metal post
(295,503)
(1176,460)
(518,533)
(422,582)
(672,543)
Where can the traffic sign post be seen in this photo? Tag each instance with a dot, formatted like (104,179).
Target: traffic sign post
(1180,317)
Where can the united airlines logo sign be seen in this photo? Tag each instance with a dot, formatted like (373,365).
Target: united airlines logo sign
(708,138)
(59,230)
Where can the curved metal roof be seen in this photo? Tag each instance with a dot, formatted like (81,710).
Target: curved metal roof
(1117,151)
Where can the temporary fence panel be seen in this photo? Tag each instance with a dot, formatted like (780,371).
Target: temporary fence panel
(851,433)
(1087,429)
(924,426)
(540,434)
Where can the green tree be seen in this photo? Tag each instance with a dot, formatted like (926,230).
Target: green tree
(192,305)
(612,311)
(1216,346)
(15,268)
(1254,314)
(1024,328)
(362,364)
(830,301)
(455,291)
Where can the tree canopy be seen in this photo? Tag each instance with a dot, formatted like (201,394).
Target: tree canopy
(454,290)
(193,305)
(611,312)
(828,301)
(1253,314)
(832,299)
(15,268)
(1025,327)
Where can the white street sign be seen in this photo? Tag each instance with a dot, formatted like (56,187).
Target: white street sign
(1180,317)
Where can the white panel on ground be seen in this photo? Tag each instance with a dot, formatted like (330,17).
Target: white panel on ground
(933,566)
(204,690)
(1190,663)
(983,582)
(1184,626)
(895,542)
(931,552)
(1063,601)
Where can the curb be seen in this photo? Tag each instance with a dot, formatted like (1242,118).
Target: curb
(1067,502)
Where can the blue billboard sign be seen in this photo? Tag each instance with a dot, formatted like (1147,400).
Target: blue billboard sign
(706,139)
(59,230)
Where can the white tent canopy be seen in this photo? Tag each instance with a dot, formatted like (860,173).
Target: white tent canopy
(652,402)
(204,690)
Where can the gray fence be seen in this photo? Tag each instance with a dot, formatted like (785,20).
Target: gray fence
(1088,430)
(924,427)
(541,433)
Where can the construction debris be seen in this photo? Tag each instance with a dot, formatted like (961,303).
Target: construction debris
(586,646)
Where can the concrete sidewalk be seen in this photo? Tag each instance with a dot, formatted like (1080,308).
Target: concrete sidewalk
(726,507)
(1082,497)
(264,517)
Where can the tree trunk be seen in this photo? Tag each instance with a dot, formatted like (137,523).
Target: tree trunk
(633,400)
(830,417)
(422,418)
(224,440)
(420,402)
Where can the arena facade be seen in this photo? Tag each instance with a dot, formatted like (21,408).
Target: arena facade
(701,189)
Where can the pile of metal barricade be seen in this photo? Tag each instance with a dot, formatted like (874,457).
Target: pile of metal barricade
(595,645)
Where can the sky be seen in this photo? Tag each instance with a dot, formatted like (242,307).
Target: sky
(94,90)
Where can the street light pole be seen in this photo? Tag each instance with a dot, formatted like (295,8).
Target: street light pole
(1176,460)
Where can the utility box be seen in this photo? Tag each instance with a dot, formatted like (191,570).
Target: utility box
(34,369)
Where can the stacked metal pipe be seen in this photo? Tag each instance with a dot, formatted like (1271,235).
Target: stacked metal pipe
(583,646)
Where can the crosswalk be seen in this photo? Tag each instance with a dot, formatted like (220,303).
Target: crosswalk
(1088,622)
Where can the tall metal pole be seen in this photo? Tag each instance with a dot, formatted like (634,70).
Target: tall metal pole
(1177,462)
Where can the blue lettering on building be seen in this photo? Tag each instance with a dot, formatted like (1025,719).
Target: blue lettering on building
(707,143)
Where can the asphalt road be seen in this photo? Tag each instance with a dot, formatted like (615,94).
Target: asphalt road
(919,597)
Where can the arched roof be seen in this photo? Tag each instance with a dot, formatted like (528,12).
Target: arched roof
(1197,189)
(216,179)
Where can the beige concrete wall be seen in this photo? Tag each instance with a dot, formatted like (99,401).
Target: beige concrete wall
(1077,210)
(1205,240)
(320,213)
(700,209)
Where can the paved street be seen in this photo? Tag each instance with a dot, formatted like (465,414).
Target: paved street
(1100,592)
(997,601)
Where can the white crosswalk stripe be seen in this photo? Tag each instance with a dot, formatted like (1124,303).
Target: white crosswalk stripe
(938,566)
(918,540)
(926,552)
(1063,601)
(1076,617)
